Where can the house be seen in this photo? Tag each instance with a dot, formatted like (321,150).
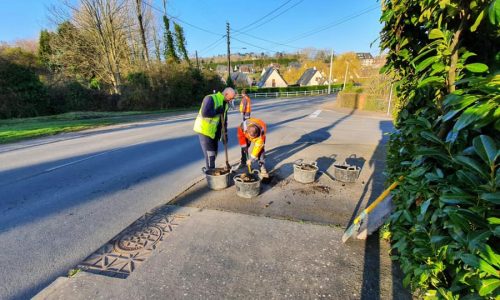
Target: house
(241,79)
(246,68)
(271,78)
(365,58)
(310,77)
(221,69)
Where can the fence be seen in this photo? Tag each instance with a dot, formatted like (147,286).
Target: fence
(292,94)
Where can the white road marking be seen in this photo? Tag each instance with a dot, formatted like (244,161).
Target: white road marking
(89,157)
(315,114)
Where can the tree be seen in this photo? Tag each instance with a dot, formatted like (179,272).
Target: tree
(346,62)
(100,32)
(181,42)
(168,40)
(138,5)
(44,49)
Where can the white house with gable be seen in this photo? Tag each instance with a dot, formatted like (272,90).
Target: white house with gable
(271,78)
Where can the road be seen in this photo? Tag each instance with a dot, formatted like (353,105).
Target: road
(60,201)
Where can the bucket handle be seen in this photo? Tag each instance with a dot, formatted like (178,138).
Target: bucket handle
(298,162)
(237,178)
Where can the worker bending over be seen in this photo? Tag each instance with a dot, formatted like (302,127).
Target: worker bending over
(208,123)
(245,105)
(253,130)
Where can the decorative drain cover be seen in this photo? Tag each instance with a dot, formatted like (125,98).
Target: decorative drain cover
(125,252)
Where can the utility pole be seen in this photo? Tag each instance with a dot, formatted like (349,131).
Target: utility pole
(228,51)
(345,76)
(330,77)
(197,62)
(390,98)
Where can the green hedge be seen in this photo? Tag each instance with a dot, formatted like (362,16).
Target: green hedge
(445,228)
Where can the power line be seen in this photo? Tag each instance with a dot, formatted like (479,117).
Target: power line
(180,20)
(259,25)
(212,45)
(265,40)
(286,2)
(328,26)
(250,44)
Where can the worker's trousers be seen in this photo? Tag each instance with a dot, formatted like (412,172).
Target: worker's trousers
(244,155)
(209,147)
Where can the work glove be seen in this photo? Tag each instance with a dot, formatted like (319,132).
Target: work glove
(250,160)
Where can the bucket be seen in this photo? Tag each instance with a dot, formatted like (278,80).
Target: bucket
(247,189)
(216,182)
(346,172)
(304,173)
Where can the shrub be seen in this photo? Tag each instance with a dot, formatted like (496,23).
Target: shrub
(445,228)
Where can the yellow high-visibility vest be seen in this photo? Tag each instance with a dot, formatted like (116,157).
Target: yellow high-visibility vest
(208,126)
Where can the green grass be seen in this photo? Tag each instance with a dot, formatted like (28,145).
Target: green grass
(12,130)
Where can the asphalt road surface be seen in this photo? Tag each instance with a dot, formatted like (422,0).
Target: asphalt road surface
(63,199)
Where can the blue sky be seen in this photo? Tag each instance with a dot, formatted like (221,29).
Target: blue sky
(344,25)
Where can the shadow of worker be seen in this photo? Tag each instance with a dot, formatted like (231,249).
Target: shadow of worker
(371,284)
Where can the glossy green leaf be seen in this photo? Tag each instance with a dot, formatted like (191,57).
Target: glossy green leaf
(488,286)
(486,148)
(477,22)
(436,34)
(477,67)
(494,12)
(431,137)
(455,199)
(494,221)
(491,197)
(472,164)
(426,63)
(429,80)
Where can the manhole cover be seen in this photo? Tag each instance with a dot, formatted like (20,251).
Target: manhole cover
(121,256)
(138,239)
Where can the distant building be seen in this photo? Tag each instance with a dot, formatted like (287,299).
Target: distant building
(311,77)
(246,68)
(294,65)
(271,78)
(365,58)
(241,79)
(221,69)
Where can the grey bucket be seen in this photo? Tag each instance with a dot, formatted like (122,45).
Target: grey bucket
(304,176)
(217,182)
(346,172)
(247,189)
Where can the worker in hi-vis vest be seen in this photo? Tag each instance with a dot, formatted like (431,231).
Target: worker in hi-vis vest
(253,130)
(208,123)
(245,105)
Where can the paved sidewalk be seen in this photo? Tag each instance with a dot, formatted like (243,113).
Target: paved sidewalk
(285,243)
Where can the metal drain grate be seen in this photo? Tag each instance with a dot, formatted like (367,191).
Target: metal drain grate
(129,249)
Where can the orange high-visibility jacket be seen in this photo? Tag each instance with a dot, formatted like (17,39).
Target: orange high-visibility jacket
(259,141)
(245,105)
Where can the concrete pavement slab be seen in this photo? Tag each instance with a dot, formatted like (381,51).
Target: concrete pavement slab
(221,255)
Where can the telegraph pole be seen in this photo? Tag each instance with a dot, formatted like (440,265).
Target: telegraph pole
(330,77)
(345,76)
(228,51)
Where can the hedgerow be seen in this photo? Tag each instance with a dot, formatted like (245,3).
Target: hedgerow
(445,61)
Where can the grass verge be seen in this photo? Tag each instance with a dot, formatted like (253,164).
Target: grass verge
(13,130)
